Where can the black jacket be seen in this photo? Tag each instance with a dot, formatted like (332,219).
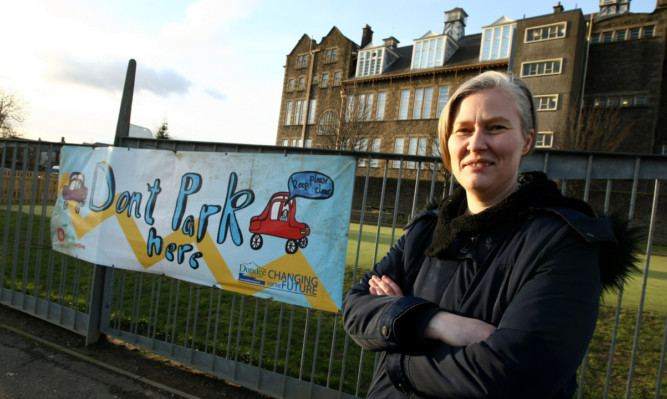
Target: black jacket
(533,266)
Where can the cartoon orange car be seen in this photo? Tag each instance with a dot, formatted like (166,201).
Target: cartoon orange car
(75,191)
(278,220)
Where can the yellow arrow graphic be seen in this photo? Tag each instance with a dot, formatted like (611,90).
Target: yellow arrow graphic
(286,265)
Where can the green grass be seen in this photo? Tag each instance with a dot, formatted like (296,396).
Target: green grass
(303,343)
(656,287)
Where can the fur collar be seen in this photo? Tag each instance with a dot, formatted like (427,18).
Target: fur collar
(454,229)
(453,225)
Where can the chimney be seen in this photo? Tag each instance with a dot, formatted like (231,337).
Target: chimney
(366,36)
(391,42)
(455,23)
(613,7)
(558,8)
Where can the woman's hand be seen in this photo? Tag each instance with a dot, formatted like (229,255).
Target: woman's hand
(446,327)
(384,286)
(457,330)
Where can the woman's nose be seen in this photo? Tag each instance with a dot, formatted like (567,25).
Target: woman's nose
(477,140)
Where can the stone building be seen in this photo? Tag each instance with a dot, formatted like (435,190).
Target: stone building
(381,96)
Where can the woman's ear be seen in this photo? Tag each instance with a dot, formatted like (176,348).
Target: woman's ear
(529,142)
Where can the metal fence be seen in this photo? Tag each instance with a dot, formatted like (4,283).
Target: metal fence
(287,351)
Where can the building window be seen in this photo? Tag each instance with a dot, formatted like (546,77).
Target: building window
(496,42)
(285,143)
(428,100)
(298,112)
(443,96)
(634,33)
(417,106)
(325,80)
(399,142)
(302,83)
(349,108)
(328,124)
(422,105)
(296,143)
(548,67)
(547,32)
(290,85)
(620,35)
(288,114)
(302,61)
(379,113)
(336,79)
(416,146)
(412,150)
(544,140)
(309,143)
(615,101)
(316,79)
(547,103)
(435,151)
(361,145)
(311,111)
(370,62)
(375,147)
(428,53)
(607,37)
(365,107)
(421,147)
(331,55)
(595,38)
(403,105)
(648,31)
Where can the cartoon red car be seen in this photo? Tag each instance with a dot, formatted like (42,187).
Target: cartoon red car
(75,191)
(278,220)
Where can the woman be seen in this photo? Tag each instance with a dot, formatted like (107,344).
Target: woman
(496,293)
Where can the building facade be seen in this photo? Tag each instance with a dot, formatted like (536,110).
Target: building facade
(599,81)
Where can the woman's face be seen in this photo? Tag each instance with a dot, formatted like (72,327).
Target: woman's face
(486,146)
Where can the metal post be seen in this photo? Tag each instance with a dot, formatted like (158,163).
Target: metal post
(99,280)
(123,126)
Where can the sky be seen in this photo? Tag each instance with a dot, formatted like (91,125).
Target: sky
(213,69)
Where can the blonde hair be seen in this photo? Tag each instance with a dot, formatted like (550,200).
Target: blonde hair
(515,88)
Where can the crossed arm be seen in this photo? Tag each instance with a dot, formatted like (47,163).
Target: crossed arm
(447,327)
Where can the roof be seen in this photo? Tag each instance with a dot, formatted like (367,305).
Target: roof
(466,55)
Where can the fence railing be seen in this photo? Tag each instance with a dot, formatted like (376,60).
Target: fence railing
(287,351)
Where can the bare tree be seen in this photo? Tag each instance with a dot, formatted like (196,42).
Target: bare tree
(163,131)
(596,129)
(12,114)
(355,129)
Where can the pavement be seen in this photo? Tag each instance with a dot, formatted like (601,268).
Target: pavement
(41,360)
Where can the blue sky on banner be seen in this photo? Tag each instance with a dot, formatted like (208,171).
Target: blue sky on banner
(212,68)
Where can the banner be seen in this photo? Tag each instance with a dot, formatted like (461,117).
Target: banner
(269,225)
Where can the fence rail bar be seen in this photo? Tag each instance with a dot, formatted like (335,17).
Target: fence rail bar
(283,352)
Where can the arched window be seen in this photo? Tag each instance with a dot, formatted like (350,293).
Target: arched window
(328,124)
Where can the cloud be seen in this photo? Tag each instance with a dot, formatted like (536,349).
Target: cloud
(216,94)
(110,75)
(161,82)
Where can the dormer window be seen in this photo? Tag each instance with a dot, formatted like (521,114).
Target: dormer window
(429,51)
(370,62)
(373,60)
(497,40)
